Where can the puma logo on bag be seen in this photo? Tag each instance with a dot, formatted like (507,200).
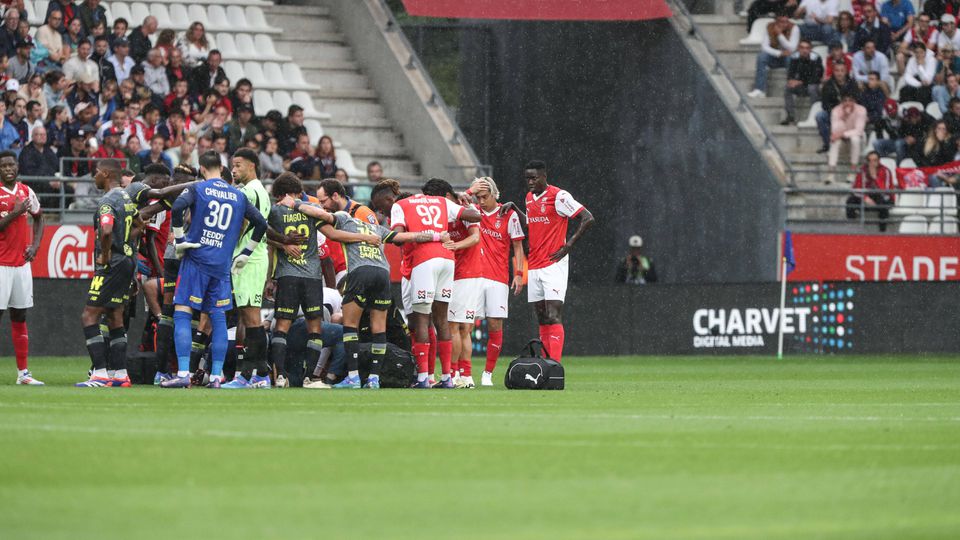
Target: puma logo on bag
(536,380)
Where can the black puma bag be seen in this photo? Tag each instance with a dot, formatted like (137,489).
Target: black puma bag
(533,372)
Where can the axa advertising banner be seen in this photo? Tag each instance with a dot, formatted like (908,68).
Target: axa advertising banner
(65,252)
(843,257)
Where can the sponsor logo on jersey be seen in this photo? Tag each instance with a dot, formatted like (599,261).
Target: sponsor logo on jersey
(539,219)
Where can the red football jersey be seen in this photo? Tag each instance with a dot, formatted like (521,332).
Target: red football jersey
(16,238)
(467,262)
(496,237)
(547,217)
(160,223)
(330,249)
(426,213)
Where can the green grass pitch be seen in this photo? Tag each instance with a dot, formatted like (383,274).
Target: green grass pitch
(641,447)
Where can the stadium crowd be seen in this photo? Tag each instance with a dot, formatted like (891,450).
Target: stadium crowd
(83,86)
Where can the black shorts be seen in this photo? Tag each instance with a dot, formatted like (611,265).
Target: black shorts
(171,269)
(110,286)
(297,292)
(368,287)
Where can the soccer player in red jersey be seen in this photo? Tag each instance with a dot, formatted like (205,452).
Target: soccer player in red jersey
(498,235)
(431,274)
(16,251)
(465,245)
(549,209)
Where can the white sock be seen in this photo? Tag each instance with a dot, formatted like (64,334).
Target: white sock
(488,374)
(236,374)
(100,373)
(353,374)
(445,377)
(22,372)
(110,373)
(183,373)
(216,378)
(120,374)
(421,376)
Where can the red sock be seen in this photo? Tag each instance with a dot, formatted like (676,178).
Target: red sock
(494,344)
(465,368)
(432,355)
(21,343)
(445,348)
(420,351)
(556,335)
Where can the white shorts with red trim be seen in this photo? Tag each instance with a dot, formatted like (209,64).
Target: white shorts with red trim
(494,300)
(465,304)
(430,281)
(548,283)
(16,287)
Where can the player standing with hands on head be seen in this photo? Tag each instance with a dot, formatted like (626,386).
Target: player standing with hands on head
(431,277)
(217,211)
(16,251)
(549,209)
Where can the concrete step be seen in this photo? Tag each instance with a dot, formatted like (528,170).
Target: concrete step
(301,24)
(322,62)
(739,61)
(299,50)
(357,121)
(379,153)
(326,78)
(348,107)
(794,139)
(345,93)
(722,31)
(309,40)
(353,137)
(398,168)
(306,9)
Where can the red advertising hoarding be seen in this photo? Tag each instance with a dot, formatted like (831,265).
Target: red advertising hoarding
(849,257)
(542,10)
(65,252)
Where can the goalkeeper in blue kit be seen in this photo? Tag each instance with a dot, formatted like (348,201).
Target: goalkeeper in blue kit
(217,212)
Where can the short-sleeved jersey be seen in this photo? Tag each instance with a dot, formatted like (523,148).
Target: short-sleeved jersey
(117,207)
(289,221)
(16,238)
(547,218)
(139,192)
(160,224)
(496,236)
(260,199)
(358,254)
(217,211)
(467,262)
(332,250)
(429,213)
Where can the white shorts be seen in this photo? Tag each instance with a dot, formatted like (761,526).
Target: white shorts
(405,296)
(549,283)
(494,300)
(339,277)
(431,280)
(16,287)
(465,304)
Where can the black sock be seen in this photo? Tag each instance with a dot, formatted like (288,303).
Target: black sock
(230,362)
(118,349)
(378,349)
(96,346)
(278,352)
(351,346)
(314,347)
(197,348)
(165,339)
(242,364)
(256,355)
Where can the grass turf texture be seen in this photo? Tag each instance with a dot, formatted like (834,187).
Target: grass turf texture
(739,448)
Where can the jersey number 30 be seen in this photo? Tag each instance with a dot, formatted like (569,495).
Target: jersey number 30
(430,215)
(219,215)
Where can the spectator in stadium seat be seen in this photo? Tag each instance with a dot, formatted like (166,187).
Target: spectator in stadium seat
(948,36)
(899,14)
(242,94)
(374,172)
(9,136)
(99,30)
(73,37)
(120,27)
(919,74)
(326,157)
(831,90)
(952,117)
(938,147)
(271,162)
(33,119)
(803,79)
(56,124)
(207,73)
(836,54)
(84,117)
(19,66)
(91,13)
(81,64)
(139,39)
(303,163)
(50,53)
(220,147)
(107,100)
(131,153)
(154,154)
(33,91)
(17,117)
(921,31)
(166,44)
(100,55)
(877,183)
(8,33)
(186,153)
(155,74)
(194,45)
(241,128)
(75,148)
(818,18)
(37,159)
(778,44)
(290,130)
(222,88)
(846,30)
(848,122)
(764,8)
(874,98)
(342,176)
(942,94)
(869,59)
(636,268)
(873,29)
(936,8)
(909,142)
(55,87)
(121,61)
(176,71)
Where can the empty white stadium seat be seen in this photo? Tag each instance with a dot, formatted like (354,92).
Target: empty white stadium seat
(198,13)
(304,100)
(108,13)
(32,16)
(757,31)
(255,20)
(913,225)
(811,120)
(262,102)
(254,72)
(941,225)
(237,17)
(315,131)
(179,18)
(281,100)
(908,163)
(889,163)
(245,46)
(822,51)
(913,203)
(293,76)
(264,45)
(234,70)
(345,162)
(218,19)
(120,10)
(41,7)
(227,47)
(933,109)
(162,14)
(139,11)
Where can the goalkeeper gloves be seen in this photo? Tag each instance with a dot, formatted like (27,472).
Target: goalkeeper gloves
(241,260)
(180,246)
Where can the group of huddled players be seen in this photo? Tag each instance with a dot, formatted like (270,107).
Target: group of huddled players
(225,243)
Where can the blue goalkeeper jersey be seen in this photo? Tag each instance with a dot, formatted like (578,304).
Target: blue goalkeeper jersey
(217,211)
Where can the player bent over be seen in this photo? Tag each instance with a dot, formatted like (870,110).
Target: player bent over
(16,251)
(366,285)
(498,234)
(549,209)
(217,212)
(116,217)
(431,275)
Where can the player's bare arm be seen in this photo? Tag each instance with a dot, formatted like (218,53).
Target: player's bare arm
(471,240)
(106,240)
(470,215)
(418,237)
(150,247)
(586,221)
(519,262)
(293,251)
(345,237)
